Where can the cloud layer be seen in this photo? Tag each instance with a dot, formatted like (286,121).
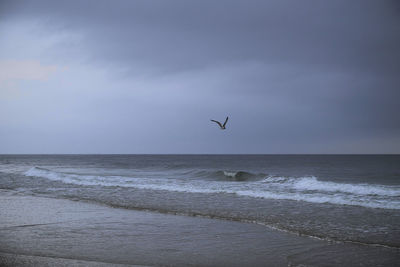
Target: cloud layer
(295,77)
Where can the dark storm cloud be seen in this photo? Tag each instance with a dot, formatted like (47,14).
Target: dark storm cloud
(180,34)
(332,67)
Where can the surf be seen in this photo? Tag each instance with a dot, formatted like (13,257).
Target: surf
(308,189)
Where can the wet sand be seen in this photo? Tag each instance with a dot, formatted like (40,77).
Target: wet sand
(40,231)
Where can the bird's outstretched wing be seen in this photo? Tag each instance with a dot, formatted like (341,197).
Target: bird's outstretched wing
(225,121)
(220,125)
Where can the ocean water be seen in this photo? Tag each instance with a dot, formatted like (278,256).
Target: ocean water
(345,198)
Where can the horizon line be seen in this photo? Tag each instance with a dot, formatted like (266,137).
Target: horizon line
(205,154)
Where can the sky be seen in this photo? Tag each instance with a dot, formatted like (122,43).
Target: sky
(146,76)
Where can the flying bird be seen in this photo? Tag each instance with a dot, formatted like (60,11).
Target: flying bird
(222,126)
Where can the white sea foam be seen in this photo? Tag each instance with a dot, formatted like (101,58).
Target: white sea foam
(320,198)
(312,183)
(308,189)
(230,174)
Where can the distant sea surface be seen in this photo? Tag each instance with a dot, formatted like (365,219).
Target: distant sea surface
(351,198)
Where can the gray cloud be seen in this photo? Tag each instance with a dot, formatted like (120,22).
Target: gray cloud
(180,34)
(316,76)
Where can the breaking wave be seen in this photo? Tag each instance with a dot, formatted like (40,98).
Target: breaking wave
(239,175)
(311,183)
(308,189)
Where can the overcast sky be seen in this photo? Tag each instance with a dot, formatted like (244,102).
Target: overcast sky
(147,76)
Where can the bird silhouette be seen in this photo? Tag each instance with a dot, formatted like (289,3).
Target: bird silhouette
(222,126)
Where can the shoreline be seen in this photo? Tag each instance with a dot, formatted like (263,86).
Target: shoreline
(199,215)
(42,231)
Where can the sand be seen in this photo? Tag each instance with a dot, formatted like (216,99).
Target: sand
(41,231)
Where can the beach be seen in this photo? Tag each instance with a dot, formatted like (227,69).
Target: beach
(42,231)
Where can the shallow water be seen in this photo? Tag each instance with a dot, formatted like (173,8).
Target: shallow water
(65,233)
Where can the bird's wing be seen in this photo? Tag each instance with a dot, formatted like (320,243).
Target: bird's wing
(220,125)
(225,121)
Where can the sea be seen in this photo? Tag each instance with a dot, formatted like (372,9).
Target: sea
(340,198)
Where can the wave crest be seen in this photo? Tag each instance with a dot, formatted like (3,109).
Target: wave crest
(239,175)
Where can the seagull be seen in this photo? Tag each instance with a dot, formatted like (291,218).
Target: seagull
(222,126)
